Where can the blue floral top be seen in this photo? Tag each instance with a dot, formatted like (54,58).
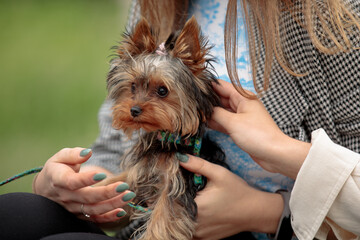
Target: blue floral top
(210,15)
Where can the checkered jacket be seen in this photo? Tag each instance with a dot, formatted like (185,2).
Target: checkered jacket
(327,97)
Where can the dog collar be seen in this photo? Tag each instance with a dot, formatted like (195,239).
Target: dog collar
(190,141)
(175,138)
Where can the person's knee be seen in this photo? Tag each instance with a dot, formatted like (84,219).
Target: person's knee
(16,214)
(14,203)
(21,203)
(31,216)
(77,236)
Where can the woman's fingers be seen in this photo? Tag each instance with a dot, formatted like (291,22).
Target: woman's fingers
(201,166)
(64,166)
(111,216)
(223,89)
(221,120)
(72,156)
(90,195)
(62,181)
(230,98)
(71,180)
(101,207)
(226,89)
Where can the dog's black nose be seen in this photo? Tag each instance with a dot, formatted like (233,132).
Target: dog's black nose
(135,111)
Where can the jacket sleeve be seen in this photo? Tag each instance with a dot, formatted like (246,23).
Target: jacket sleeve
(326,193)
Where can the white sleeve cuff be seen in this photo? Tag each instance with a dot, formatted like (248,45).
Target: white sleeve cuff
(322,176)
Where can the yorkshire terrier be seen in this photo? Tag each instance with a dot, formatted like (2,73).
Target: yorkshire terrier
(164,91)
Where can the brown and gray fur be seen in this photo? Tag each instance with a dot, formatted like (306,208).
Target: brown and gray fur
(171,93)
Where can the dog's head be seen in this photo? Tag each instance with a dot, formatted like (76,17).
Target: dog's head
(165,86)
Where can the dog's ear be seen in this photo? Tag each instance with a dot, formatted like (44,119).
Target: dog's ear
(190,47)
(141,40)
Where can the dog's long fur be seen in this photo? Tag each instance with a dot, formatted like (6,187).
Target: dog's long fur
(170,92)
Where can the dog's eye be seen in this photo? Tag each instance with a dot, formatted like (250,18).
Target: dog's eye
(133,88)
(162,91)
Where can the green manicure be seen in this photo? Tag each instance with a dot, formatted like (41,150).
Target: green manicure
(85,152)
(121,214)
(128,196)
(182,157)
(99,176)
(122,187)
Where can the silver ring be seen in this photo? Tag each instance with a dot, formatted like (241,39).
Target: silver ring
(82,211)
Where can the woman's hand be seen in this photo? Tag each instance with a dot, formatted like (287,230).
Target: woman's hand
(61,181)
(228,205)
(251,127)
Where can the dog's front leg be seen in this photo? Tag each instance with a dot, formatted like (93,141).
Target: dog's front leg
(170,218)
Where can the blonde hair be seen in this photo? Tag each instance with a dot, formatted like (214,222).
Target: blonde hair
(336,20)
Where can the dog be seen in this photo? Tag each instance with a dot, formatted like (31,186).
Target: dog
(164,92)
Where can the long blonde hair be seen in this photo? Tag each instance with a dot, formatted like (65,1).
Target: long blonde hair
(336,20)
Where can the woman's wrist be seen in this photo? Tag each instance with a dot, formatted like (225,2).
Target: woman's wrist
(267,210)
(290,154)
(33,183)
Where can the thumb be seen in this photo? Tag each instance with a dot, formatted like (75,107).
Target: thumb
(198,165)
(221,120)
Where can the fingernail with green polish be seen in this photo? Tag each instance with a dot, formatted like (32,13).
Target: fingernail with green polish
(128,196)
(99,176)
(182,157)
(122,187)
(85,152)
(121,214)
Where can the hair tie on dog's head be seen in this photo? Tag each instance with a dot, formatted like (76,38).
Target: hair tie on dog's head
(161,49)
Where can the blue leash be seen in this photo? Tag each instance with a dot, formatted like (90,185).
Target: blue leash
(23,174)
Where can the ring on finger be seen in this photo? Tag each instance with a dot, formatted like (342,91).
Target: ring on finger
(84,213)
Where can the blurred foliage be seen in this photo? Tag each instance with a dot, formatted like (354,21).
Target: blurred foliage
(53,63)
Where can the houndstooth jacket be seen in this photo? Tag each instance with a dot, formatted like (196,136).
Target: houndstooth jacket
(327,97)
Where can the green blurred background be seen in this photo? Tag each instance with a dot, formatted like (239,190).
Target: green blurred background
(53,63)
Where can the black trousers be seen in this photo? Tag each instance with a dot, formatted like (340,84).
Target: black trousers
(26,216)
